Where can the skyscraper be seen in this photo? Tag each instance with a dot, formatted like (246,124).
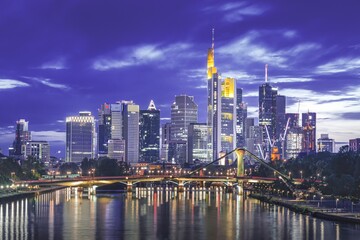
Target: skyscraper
(22,135)
(281,120)
(267,109)
(214,103)
(197,142)
(130,117)
(309,131)
(149,134)
(80,134)
(183,112)
(241,115)
(326,144)
(165,140)
(228,115)
(104,129)
(40,150)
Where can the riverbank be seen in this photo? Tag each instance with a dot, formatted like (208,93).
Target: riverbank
(26,194)
(301,206)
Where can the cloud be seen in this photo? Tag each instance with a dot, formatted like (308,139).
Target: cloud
(339,65)
(240,12)
(50,136)
(56,64)
(48,82)
(140,55)
(11,83)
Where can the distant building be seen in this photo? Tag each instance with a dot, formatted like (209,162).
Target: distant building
(104,129)
(354,144)
(165,140)
(197,143)
(326,144)
(177,151)
(228,117)
(80,137)
(40,150)
(116,149)
(150,134)
(130,117)
(241,115)
(267,109)
(309,131)
(280,116)
(293,142)
(22,135)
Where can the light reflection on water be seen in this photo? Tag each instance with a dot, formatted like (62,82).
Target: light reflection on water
(149,214)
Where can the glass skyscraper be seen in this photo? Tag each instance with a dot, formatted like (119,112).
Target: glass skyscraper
(80,134)
(104,129)
(130,117)
(149,134)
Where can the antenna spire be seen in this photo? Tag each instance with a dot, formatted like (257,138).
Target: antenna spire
(213,38)
(266,73)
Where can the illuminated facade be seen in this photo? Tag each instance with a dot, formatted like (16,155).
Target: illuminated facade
(326,144)
(150,134)
(80,137)
(116,149)
(130,117)
(197,143)
(309,131)
(241,115)
(267,109)
(22,135)
(104,129)
(293,142)
(228,116)
(40,150)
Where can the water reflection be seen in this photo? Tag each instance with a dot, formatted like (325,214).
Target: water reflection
(159,213)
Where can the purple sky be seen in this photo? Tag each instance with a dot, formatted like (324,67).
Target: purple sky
(60,57)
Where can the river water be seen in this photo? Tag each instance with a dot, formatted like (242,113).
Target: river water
(145,214)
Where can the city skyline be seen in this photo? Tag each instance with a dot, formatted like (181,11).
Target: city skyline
(59,59)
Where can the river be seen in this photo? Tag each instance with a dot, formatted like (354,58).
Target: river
(145,214)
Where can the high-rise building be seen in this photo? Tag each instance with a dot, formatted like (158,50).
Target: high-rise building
(116,149)
(80,137)
(294,119)
(116,121)
(22,135)
(40,150)
(130,117)
(325,144)
(309,131)
(354,144)
(165,140)
(149,134)
(293,143)
(104,129)
(214,104)
(267,109)
(281,120)
(228,116)
(197,143)
(241,115)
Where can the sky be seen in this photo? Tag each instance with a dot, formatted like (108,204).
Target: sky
(61,57)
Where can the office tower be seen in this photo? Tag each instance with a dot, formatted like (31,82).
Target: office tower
(254,139)
(214,103)
(325,144)
(165,140)
(149,134)
(183,112)
(80,134)
(197,143)
(40,150)
(309,131)
(116,149)
(267,109)
(22,134)
(281,120)
(354,144)
(228,116)
(177,151)
(293,142)
(116,121)
(104,129)
(241,115)
(294,119)
(130,117)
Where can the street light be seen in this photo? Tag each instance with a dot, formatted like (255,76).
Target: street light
(321,200)
(336,203)
(289,174)
(301,174)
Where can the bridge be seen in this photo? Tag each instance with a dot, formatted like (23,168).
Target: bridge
(180,180)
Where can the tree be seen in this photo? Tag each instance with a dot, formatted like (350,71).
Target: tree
(87,165)
(107,167)
(69,167)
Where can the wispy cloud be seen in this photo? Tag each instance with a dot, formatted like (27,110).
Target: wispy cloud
(50,136)
(56,64)
(339,65)
(11,83)
(139,55)
(48,82)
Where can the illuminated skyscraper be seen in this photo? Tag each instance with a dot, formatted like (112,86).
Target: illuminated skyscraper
(80,137)
(22,135)
(130,117)
(326,144)
(197,142)
(309,131)
(104,129)
(228,116)
(241,115)
(40,150)
(149,134)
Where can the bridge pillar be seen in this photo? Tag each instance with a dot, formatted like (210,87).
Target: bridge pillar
(129,186)
(240,162)
(181,186)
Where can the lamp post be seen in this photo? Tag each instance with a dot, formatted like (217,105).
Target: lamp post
(301,174)
(289,174)
(336,203)
(321,200)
